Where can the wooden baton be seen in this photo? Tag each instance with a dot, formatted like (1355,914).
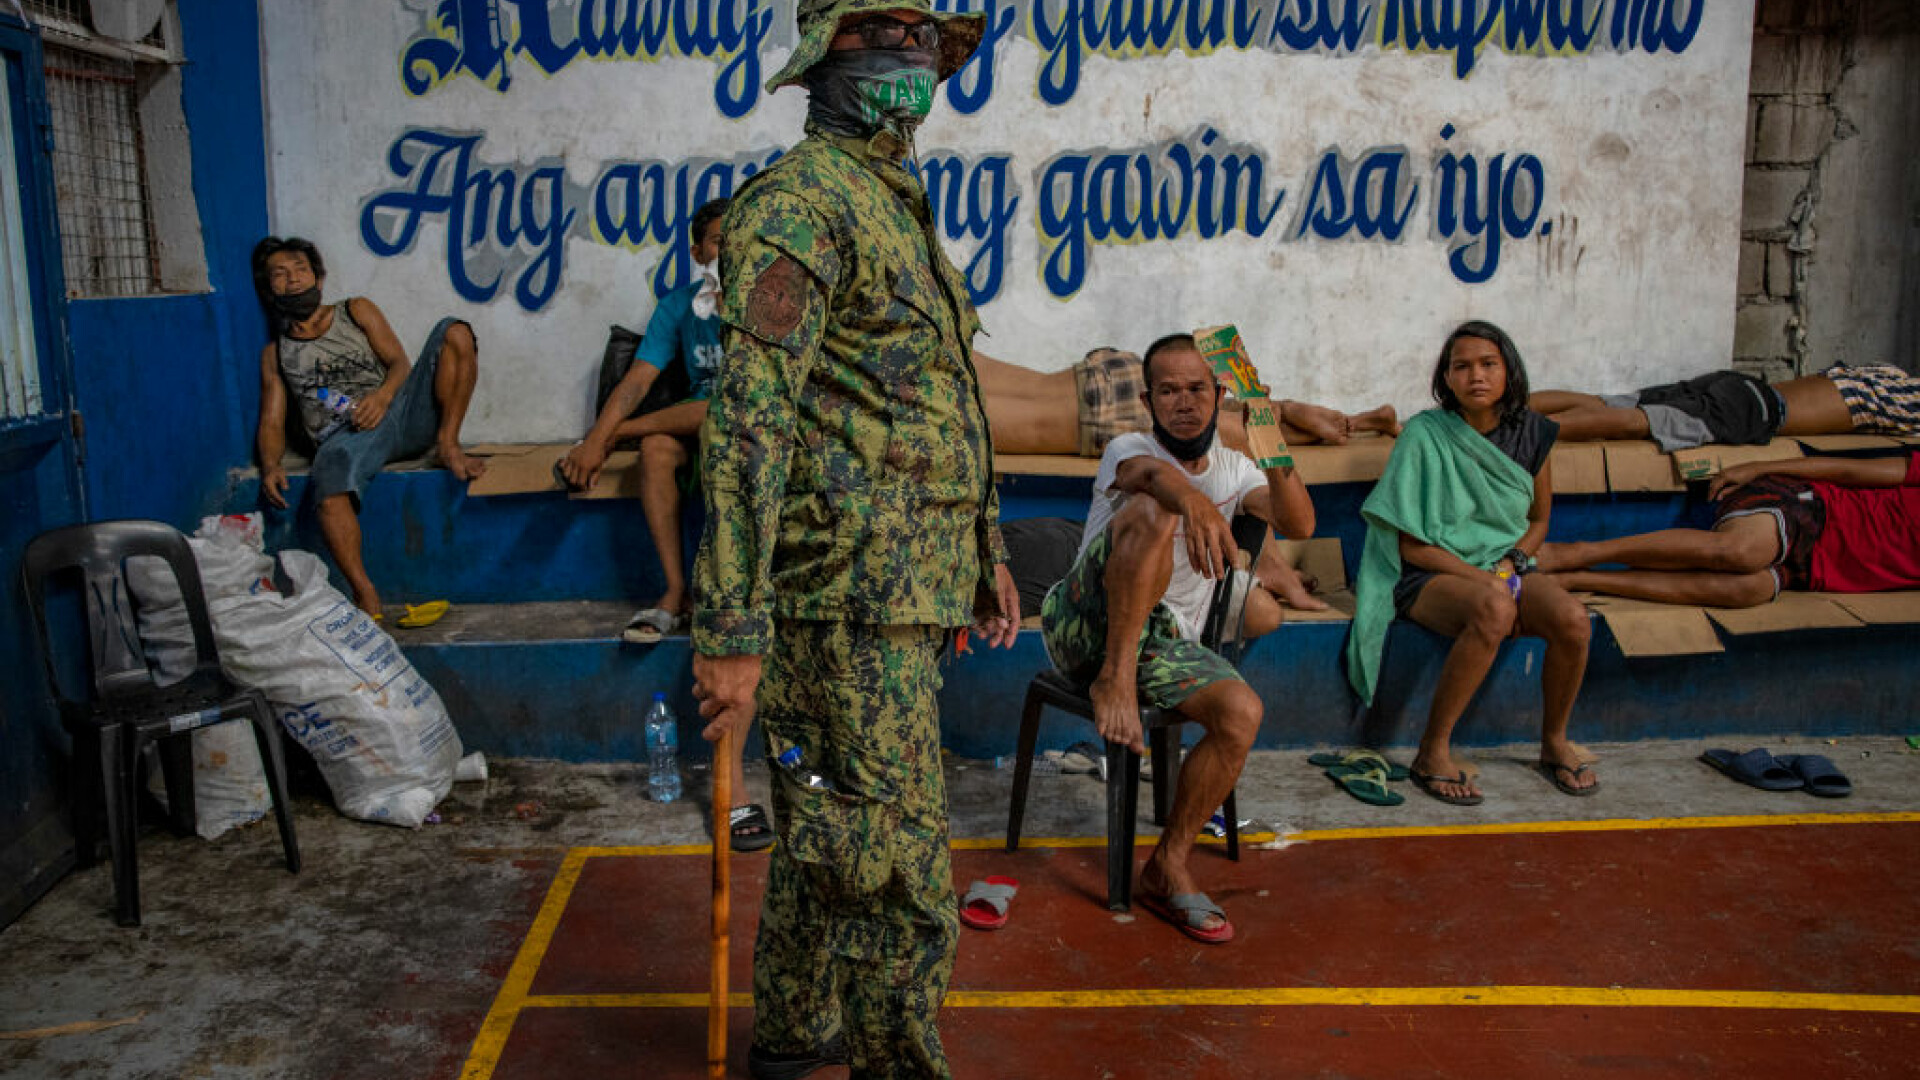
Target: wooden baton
(722,846)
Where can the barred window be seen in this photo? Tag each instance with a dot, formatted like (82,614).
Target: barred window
(121,158)
(19,358)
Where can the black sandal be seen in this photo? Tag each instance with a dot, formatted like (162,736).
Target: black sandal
(750,828)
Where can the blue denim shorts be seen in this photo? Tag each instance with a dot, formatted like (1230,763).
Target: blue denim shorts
(349,460)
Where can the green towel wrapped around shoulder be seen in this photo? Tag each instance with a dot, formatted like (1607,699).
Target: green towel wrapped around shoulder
(1444,485)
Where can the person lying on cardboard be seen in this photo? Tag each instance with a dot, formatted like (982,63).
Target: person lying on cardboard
(683,329)
(360,404)
(1126,619)
(1452,528)
(1026,414)
(1735,408)
(1829,524)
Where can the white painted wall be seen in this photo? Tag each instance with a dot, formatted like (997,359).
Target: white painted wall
(1640,153)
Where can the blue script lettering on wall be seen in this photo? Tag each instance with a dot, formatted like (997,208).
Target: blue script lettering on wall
(1203,187)
(1199,185)
(1360,197)
(1463,27)
(514,220)
(974,200)
(479,37)
(635,202)
(972,86)
(499,220)
(1479,205)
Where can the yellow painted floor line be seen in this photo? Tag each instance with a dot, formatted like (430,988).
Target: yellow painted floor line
(513,995)
(1744,821)
(1294,997)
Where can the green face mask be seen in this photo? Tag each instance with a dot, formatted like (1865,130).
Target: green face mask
(861,91)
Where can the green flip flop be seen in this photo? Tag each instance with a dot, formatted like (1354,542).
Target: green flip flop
(1368,784)
(1363,759)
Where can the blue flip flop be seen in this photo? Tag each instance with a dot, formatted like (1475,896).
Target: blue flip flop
(1756,768)
(1819,775)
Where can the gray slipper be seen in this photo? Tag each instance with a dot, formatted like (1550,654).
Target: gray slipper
(649,625)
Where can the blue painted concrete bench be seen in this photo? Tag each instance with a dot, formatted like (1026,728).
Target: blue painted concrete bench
(531,663)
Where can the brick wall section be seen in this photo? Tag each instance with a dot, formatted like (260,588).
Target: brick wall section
(1799,57)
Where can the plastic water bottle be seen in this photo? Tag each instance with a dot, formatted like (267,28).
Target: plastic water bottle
(335,402)
(789,760)
(663,751)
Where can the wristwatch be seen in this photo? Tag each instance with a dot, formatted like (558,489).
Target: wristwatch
(1523,563)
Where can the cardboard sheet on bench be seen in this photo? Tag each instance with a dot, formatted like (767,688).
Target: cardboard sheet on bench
(1879,609)
(1706,461)
(516,469)
(1320,559)
(1579,468)
(1362,459)
(1044,465)
(1645,629)
(1789,611)
(1830,443)
(1639,466)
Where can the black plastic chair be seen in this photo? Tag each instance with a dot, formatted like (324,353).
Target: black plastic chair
(1051,688)
(126,709)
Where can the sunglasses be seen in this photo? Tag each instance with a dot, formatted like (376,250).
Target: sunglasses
(882,32)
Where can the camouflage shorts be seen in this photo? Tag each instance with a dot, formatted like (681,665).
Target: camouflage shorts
(1108,384)
(1073,624)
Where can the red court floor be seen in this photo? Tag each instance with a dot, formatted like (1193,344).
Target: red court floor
(1756,947)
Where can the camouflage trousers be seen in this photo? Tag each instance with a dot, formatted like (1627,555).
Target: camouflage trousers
(1073,625)
(859,924)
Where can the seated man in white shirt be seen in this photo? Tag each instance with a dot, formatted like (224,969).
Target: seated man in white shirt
(1126,619)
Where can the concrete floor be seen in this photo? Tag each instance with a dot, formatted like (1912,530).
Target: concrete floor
(381,958)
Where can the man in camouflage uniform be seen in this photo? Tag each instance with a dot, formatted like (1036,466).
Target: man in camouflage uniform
(851,522)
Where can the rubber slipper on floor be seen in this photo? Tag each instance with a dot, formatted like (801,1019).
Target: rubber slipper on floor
(1188,912)
(1369,785)
(419,615)
(1361,758)
(1755,768)
(1553,770)
(1819,775)
(1428,782)
(984,907)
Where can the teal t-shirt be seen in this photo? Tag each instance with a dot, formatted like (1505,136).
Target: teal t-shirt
(675,331)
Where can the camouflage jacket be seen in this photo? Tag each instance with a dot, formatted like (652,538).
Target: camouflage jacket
(845,457)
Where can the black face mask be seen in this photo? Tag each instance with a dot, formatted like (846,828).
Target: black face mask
(1188,449)
(860,92)
(295,307)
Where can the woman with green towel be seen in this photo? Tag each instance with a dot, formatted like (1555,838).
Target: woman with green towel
(1452,528)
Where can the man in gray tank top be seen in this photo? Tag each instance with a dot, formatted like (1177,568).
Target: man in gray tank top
(360,403)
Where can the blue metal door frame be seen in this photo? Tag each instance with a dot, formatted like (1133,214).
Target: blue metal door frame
(39,489)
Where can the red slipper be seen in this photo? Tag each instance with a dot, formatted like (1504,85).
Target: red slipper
(985,905)
(1188,913)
